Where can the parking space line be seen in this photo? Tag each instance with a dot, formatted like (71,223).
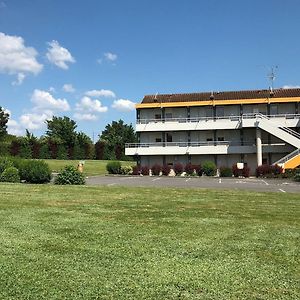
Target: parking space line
(155,179)
(281,190)
(264,182)
(187,179)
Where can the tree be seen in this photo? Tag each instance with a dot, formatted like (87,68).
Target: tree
(62,128)
(4,116)
(115,136)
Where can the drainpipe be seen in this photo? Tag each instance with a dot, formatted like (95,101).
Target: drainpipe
(258,147)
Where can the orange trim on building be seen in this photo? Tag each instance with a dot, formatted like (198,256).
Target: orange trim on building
(218,102)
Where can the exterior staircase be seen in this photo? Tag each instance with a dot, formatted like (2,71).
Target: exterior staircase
(292,160)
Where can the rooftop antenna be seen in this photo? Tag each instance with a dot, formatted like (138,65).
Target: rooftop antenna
(272,77)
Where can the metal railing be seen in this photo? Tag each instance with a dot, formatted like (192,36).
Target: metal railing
(189,144)
(287,157)
(216,118)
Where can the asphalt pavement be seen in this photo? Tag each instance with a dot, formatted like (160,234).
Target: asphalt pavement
(251,184)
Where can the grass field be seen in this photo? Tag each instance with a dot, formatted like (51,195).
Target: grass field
(91,167)
(72,242)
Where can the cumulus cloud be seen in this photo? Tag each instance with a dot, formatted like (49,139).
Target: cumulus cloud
(68,88)
(43,100)
(291,87)
(16,58)
(85,117)
(123,105)
(100,93)
(33,121)
(13,127)
(109,57)
(87,105)
(59,55)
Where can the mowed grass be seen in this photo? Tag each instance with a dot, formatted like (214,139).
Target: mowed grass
(72,242)
(91,167)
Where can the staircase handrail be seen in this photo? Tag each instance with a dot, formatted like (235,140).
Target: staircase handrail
(287,157)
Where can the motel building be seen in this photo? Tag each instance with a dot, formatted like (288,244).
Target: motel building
(252,127)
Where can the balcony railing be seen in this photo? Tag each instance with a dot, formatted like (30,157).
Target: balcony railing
(189,144)
(230,118)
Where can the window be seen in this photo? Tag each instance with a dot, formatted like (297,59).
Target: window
(273,109)
(209,139)
(220,111)
(209,112)
(169,138)
(221,139)
(157,117)
(168,115)
(158,140)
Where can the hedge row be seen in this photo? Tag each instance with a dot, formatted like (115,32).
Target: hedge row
(31,171)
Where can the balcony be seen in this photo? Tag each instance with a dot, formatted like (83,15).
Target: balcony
(212,123)
(198,148)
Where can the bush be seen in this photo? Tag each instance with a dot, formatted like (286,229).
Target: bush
(268,171)
(70,175)
(198,170)
(10,174)
(136,170)
(297,176)
(113,167)
(245,172)
(178,168)
(209,168)
(5,163)
(156,169)
(166,170)
(225,172)
(126,170)
(34,171)
(145,170)
(189,169)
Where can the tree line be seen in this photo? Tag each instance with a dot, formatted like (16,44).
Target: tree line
(62,141)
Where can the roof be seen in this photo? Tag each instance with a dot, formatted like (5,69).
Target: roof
(227,95)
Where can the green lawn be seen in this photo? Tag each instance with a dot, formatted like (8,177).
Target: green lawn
(73,242)
(91,167)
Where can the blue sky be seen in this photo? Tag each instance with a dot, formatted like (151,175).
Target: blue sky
(92,60)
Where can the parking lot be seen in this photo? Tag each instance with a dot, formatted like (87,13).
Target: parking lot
(253,184)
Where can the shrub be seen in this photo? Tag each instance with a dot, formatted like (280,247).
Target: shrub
(225,172)
(245,172)
(126,170)
(10,174)
(136,170)
(268,171)
(34,171)
(145,170)
(166,170)
(5,163)
(70,175)
(178,168)
(198,170)
(297,176)
(156,169)
(209,168)
(113,167)
(189,169)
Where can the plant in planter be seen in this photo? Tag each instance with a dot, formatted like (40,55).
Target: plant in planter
(145,170)
(156,169)
(178,168)
(166,170)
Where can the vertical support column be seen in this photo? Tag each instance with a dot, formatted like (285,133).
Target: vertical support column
(164,159)
(258,147)
(215,137)
(242,136)
(138,115)
(188,113)
(189,138)
(163,138)
(163,114)
(138,136)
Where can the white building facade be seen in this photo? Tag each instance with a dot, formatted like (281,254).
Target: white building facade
(253,127)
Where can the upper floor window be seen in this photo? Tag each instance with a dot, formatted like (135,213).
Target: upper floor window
(168,115)
(273,109)
(209,112)
(220,111)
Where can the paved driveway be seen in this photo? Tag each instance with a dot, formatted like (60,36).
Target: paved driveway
(254,184)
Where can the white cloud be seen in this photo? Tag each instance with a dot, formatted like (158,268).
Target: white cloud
(100,93)
(123,105)
(52,89)
(33,121)
(110,56)
(68,88)
(85,117)
(43,100)
(88,105)
(59,55)
(13,127)
(291,87)
(16,58)
(20,79)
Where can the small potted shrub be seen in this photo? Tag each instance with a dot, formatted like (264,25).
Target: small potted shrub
(209,168)
(178,168)
(145,170)
(225,172)
(166,170)
(136,170)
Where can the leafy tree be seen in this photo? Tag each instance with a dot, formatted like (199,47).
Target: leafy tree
(3,122)
(63,129)
(115,136)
